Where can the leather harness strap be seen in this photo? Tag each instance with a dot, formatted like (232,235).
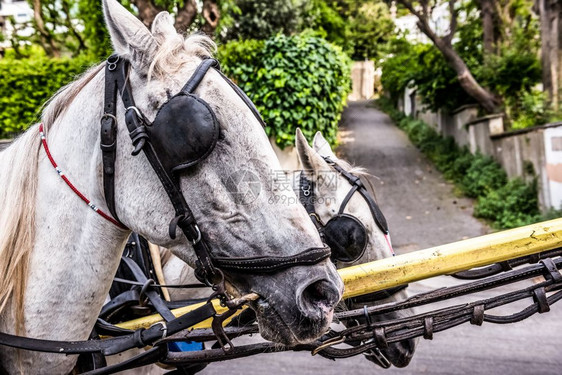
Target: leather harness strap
(108,134)
(358,186)
(152,294)
(272,263)
(138,339)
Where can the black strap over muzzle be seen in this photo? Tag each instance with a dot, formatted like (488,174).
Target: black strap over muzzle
(184,132)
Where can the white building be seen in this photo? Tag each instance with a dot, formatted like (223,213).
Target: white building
(439,22)
(21,14)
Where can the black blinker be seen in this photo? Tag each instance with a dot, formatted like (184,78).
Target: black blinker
(347,238)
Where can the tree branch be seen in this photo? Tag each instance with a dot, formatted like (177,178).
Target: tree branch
(147,11)
(485,98)
(45,37)
(453,24)
(408,5)
(68,22)
(186,15)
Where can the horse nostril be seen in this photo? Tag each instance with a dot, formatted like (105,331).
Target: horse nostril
(318,298)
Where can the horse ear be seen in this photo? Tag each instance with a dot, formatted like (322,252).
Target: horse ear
(322,146)
(129,36)
(163,27)
(310,160)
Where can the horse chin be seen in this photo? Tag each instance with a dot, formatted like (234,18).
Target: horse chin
(273,327)
(400,353)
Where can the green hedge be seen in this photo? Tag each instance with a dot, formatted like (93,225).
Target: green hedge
(299,81)
(505,203)
(26,84)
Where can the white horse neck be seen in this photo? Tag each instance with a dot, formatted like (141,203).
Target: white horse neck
(76,252)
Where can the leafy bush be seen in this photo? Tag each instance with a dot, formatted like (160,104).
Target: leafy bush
(531,109)
(513,205)
(397,72)
(260,19)
(325,19)
(298,81)
(482,176)
(26,84)
(435,81)
(510,73)
(507,204)
(240,59)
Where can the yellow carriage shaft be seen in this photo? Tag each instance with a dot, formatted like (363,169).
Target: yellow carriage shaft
(418,265)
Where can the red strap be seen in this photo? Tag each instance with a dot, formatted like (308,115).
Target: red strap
(74,189)
(387,237)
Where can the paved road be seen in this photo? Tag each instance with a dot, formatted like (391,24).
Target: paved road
(422,211)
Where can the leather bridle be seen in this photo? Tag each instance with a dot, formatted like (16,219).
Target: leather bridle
(307,198)
(143,140)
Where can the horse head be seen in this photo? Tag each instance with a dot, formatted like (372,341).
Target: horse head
(352,223)
(251,234)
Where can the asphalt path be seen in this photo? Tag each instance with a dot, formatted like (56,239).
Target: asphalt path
(423,211)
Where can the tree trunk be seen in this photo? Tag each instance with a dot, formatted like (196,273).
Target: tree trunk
(45,36)
(549,12)
(211,14)
(147,11)
(487,15)
(554,54)
(186,15)
(558,34)
(486,99)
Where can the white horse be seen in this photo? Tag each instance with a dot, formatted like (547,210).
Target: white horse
(58,257)
(329,196)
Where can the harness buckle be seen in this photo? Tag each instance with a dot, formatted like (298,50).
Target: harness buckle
(112,62)
(164,329)
(376,356)
(135,109)
(109,115)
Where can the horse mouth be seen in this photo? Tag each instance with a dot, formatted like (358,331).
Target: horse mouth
(291,330)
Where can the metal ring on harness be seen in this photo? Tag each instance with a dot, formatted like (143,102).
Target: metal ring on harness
(196,240)
(143,300)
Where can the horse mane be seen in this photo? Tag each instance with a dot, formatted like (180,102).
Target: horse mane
(17,219)
(361,172)
(18,180)
(63,98)
(174,51)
